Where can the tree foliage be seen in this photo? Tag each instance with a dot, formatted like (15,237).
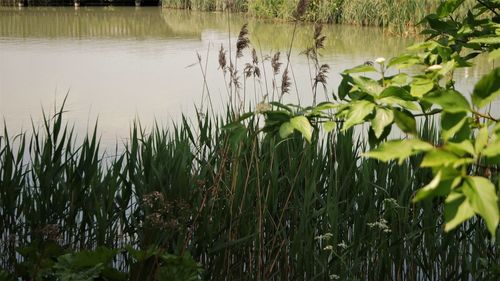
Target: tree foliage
(465,161)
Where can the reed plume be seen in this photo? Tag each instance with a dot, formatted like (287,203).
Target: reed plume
(243,42)
(222,59)
(285,83)
(275,63)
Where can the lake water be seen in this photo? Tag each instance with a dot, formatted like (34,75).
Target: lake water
(119,64)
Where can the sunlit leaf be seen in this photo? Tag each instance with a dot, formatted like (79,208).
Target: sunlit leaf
(421,86)
(438,157)
(441,184)
(449,100)
(452,124)
(398,150)
(405,121)
(301,124)
(383,117)
(487,89)
(481,139)
(329,126)
(456,210)
(285,130)
(482,196)
(361,68)
(358,111)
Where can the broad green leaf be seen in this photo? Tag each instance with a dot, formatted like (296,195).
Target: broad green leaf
(487,89)
(286,129)
(423,45)
(409,105)
(440,185)
(329,126)
(301,124)
(404,61)
(482,197)
(421,86)
(449,100)
(398,80)
(393,95)
(345,86)
(447,67)
(486,40)
(492,150)
(357,112)
(405,121)
(452,124)
(460,148)
(456,210)
(398,150)
(361,68)
(438,157)
(447,7)
(495,54)
(481,139)
(325,106)
(383,117)
(367,85)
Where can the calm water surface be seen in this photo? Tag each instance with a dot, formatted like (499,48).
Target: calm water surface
(123,64)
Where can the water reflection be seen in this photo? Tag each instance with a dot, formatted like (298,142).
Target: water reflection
(120,63)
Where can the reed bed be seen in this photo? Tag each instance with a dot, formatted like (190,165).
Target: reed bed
(397,16)
(260,208)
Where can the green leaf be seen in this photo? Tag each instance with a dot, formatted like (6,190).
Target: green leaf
(440,185)
(456,210)
(421,86)
(361,68)
(285,130)
(452,124)
(447,7)
(449,100)
(481,139)
(329,126)
(345,86)
(301,124)
(495,54)
(490,40)
(492,150)
(397,80)
(357,112)
(367,85)
(393,95)
(482,196)
(438,157)
(405,121)
(398,149)
(487,89)
(404,61)
(383,118)
(460,148)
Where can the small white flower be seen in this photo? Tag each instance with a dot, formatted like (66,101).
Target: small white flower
(434,67)
(262,107)
(334,277)
(380,60)
(328,248)
(342,245)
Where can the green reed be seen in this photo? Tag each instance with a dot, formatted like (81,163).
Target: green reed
(255,207)
(397,16)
